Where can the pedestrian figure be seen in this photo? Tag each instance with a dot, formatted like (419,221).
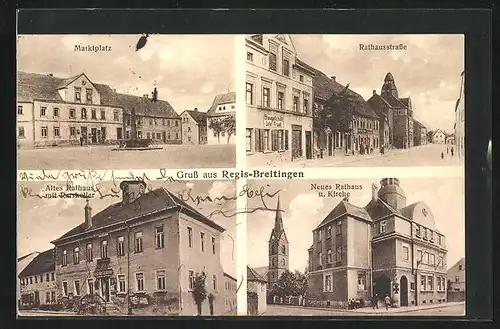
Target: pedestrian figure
(452,151)
(81,140)
(387,301)
(442,155)
(375,301)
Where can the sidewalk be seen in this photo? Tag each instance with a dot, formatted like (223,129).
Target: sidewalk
(382,310)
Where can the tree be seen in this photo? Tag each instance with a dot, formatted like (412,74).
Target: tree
(290,284)
(199,290)
(216,125)
(229,126)
(429,136)
(449,285)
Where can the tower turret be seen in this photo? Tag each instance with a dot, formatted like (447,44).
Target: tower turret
(392,193)
(389,86)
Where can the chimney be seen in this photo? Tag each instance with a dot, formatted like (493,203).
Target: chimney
(196,109)
(346,199)
(374,192)
(50,75)
(114,90)
(131,190)
(145,95)
(334,78)
(374,92)
(88,215)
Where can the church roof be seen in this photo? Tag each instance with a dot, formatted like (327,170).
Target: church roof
(344,208)
(389,77)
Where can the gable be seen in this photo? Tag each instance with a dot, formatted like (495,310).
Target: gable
(286,40)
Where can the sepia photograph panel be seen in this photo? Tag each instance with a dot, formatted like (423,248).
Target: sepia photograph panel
(125,101)
(354,100)
(129,248)
(357,247)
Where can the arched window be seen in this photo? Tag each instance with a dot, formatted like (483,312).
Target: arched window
(283,250)
(283,262)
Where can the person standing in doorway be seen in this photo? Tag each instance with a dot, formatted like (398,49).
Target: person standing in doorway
(387,302)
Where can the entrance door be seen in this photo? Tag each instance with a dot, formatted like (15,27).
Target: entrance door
(308,145)
(119,133)
(105,289)
(93,132)
(404,291)
(37,298)
(296,142)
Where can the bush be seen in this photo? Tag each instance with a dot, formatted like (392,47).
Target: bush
(138,143)
(51,307)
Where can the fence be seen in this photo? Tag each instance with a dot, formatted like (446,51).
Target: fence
(252,306)
(455,296)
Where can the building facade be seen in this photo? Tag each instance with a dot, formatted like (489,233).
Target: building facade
(38,282)
(278,250)
(450,139)
(150,253)
(230,287)
(384,248)
(456,276)
(460,119)
(194,127)
(278,99)
(54,111)
(363,133)
(402,122)
(438,137)
(420,134)
(22,262)
(221,120)
(257,285)
(385,112)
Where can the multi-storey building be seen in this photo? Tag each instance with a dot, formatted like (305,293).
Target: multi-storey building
(230,288)
(386,114)
(456,275)
(221,119)
(256,284)
(278,99)
(150,247)
(278,250)
(384,248)
(402,110)
(22,262)
(364,127)
(194,127)
(37,281)
(438,137)
(460,119)
(54,111)
(420,134)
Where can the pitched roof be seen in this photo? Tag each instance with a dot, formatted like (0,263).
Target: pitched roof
(325,88)
(252,275)
(418,123)
(344,208)
(395,102)
(152,202)
(199,117)
(221,99)
(229,276)
(42,263)
(405,101)
(34,86)
(23,257)
(377,101)
(379,208)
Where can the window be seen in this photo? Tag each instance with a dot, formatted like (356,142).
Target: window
(430,283)
(90,286)
(103,115)
(47,278)
(249,93)
(266,100)
(339,253)
(53,296)
(432,259)
(159,237)
(44,131)
(52,276)
(56,112)
(338,231)
(41,277)
(160,280)
(286,67)
(20,132)
(301,78)
(202,241)
(65,288)
(138,241)
(72,113)
(361,281)
(177,124)
(412,286)
(283,250)
(121,283)
(438,284)
(84,113)
(115,116)
(191,279)
(249,139)
(65,258)
(77,287)
(88,92)
(296,103)
(214,282)
(20,110)
(57,132)
(329,256)
(249,56)
(213,245)
(281,97)
(266,140)
(43,111)
(457,279)
(283,263)
(190,237)
(459,267)
(88,253)
(120,246)
(47,297)
(329,231)
(78,94)
(328,283)
(320,235)
(426,258)
(320,259)
(422,283)
(94,114)
(383,226)
(272,61)
(305,106)
(139,280)
(406,253)
(72,131)
(76,256)
(104,249)
(31,280)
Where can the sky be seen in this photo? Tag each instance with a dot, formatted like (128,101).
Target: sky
(428,71)
(303,209)
(40,221)
(189,70)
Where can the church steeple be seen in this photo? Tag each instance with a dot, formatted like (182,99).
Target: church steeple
(278,220)
(278,248)
(389,87)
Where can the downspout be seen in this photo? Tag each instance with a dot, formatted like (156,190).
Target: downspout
(180,265)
